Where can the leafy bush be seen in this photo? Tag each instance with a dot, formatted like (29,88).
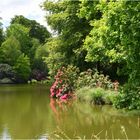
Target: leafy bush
(128,99)
(6,81)
(6,71)
(10,51)
(110,97)
(98,95)
(38,75)
(91,86)
(22,68)
(83,94)
(64,81)
(93,79)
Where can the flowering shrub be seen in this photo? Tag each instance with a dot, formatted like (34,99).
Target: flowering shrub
(93,79)
(69,79)
(64,82)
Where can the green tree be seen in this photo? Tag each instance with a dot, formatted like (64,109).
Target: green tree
(55,58)
(22,68)
(35,45)
(35,29)
(70,29)
(102,44)
(21,33)
(114,38)
(39,67)
(10,51)
(1,34)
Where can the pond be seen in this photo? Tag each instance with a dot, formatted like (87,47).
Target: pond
(27,112)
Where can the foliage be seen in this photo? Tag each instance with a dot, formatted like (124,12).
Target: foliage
(110,97)
(39,63)
(54,59)
(114,39)
(23,37)
(91,87)
(64,20)
(21,33)
(6,71)
(96,95)
(35,45)
(33,81)
(22,68)
(93,79)
(1,33)
(35,29)
(102,35)
(38,74)
(6,81)
(128,99)
(10,51)
(64,82)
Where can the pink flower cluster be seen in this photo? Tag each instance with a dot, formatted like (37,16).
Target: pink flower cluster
(60,88)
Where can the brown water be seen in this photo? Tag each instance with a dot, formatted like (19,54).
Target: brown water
(26,112)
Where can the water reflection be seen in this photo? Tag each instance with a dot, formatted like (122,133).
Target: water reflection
(5,134)
(60,108)
(86,121)
(27,112)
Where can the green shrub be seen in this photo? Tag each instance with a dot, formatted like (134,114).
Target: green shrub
(6,71)
(128,99)
(93,79)
(98,95)
(83,94)
(6,81)
(10,51)
(22,68)
(110,97)
(33,81)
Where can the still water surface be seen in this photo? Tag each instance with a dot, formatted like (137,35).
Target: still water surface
(27,112)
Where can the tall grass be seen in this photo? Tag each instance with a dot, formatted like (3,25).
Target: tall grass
(97,95)
(60,134)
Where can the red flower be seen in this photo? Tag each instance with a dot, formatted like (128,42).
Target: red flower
(64,97)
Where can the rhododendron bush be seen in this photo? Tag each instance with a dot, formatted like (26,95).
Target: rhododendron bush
(69,79)
(64,82)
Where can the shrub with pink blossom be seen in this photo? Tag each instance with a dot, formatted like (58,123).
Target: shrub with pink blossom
(64,82)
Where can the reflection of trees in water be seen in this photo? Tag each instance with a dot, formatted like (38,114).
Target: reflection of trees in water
(31,114)
(108,119)
(5,134)
(61,109)
(85,119)
(25,114)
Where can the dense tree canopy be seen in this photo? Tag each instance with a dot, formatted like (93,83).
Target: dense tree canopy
(22,68)
(23,38)
(102,35)
(22,35)
(67,48)
(10,51)
(35,29)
